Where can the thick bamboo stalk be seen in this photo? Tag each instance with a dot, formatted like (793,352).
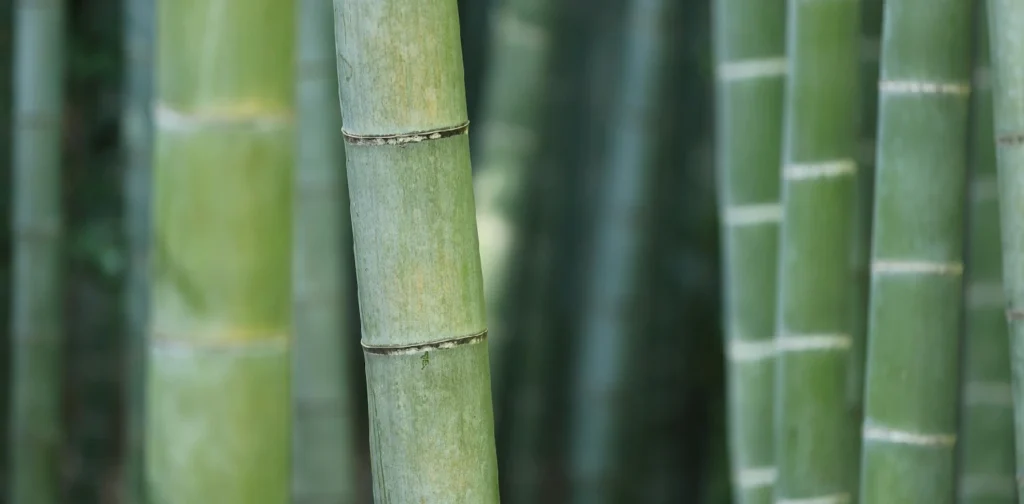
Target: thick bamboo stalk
(609,314)
(323,469)
(1006,34)
(218,397)
(986,457)
(750,58)
(416,251)
(909,428)
(137,141)
(814,430)
(36,311)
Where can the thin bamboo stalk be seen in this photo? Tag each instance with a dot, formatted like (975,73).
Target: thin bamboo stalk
(909,427)
(814,430)
(986,458)
(218,397)
(750,59)
(1006,29)
(36,312)
(416,251)
(323,451)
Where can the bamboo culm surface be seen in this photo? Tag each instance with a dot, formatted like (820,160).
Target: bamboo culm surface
(909,429)
(1006,36)
(750,58)
(323,451)
(618,254)
(416,252)
(36,312)
(218,399)
(986,458)
(137,131)
(815,431)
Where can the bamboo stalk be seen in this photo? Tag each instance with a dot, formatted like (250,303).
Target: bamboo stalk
(137,141)
(986,458)
(814,430)
(619,241)
(323,462)
(750,60)
(36,312)
(915,308)
(1006,25)
(217,397)
(416,251)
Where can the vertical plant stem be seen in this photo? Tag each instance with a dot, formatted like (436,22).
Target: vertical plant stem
(986,458)
(814,431)
(323,449)
(750,63)
(913,365)
(218,397)
(1006,35)
(609,316)
(36,313)
(137,142)
(416,252)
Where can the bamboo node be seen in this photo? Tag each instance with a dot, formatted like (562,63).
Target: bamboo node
(910,267)
(756,477)
(169,119)
(402,139)
(794,343)
(1010,139)
(839,498)
(753,215)
(750,351)
(894,436)
(1014,314)
(924,87)
(416,348)
(820,170)
(761,68)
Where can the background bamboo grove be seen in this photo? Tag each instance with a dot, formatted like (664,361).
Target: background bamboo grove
(521,251)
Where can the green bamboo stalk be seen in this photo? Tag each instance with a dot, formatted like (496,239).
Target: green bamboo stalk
(416,251)
(1006,29)
(750,57)
(912,361)
(137,132)
(6,129)
(513,113)
(814,431)
(36,311)
(609,317)
(218,397)
(986,458)
(323,462)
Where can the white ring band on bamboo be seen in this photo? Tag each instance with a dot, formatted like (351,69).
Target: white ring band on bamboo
(750,351)
(901,267)
(987,393)
(824,169)
(894,436)
(988,485)
(792,343)
(984,188)
(236,348)
(924,87)
(753,215)
(514,30)
(985,295)
(756,477)
(168,119)
(839,498)
(752,69)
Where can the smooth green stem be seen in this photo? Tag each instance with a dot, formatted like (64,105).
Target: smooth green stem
(323,451)
(417,255)
(750,64)
(36,313)
(815,453)
(915,309)
(986,457)
(218,397)
(1006,35)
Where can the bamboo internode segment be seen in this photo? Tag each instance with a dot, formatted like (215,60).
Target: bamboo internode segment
(838,498)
